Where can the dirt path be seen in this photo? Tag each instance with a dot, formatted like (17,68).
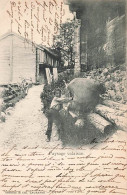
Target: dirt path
(27,124)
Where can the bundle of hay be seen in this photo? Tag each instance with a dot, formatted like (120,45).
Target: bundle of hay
(86,94)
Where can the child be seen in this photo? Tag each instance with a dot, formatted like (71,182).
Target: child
(53,112)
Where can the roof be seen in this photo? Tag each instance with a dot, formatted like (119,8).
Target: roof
(48,50)
(41,47)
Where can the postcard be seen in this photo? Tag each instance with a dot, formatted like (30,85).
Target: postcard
(63,97)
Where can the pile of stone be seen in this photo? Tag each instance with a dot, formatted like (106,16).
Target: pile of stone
(115,82)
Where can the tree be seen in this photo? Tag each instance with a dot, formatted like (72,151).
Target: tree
(64,44)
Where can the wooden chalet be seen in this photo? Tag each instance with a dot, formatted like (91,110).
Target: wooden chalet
(21,59)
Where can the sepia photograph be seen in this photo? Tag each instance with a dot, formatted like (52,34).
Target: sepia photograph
(63,97)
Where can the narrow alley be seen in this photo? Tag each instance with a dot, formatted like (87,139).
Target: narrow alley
(26,125)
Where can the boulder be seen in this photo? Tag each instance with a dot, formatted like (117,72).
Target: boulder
(118,97)
(111,94)
(105,71)
(108,78)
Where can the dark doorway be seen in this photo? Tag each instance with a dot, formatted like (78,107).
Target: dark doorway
(42,74)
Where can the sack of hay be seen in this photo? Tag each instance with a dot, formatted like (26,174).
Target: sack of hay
(86,94)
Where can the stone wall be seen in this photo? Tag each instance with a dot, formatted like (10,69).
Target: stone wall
(108,46)
(115,40)
(102,32)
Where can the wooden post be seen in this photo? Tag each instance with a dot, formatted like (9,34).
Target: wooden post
(112,115)
(99,122)
(48,75)
(55,74)
(11,59)
(37,67)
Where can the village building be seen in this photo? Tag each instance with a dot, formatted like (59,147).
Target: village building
(23,59)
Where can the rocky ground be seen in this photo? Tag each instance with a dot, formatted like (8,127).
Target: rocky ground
(115,81)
